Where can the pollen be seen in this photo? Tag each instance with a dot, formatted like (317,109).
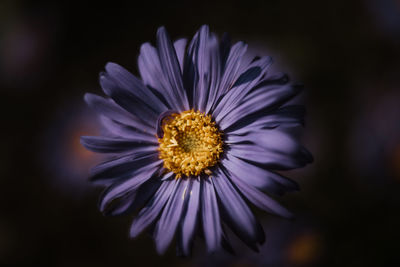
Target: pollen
(191,143)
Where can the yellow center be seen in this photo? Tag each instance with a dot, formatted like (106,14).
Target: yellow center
(191,143)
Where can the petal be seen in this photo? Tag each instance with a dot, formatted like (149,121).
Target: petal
(243,85)
(122,167)
(150,67)
(120,189)
(134,200)
(257,176)
(189,220)
(269,139)
(121,206)
(200,58)
(232,66)
(103,144)
(261,182)
(236,213)
(128,101)
(269,159)
(226,243)
(170,66)
(119,130)
(210,217)
(231,70)
(288,116)
(274,142)
(263,99)
(260,199)
(129,82)
(215,72)
(152,74)
(153,208)
(171,215)
(180,48)
(111,110)
(168,176)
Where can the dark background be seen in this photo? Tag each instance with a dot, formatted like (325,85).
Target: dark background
(347,53)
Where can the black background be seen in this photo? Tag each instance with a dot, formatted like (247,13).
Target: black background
(347,53)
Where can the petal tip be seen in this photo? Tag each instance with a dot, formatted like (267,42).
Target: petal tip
(110,65)
(83,140)
(88,98)
(161,31)
(133,232)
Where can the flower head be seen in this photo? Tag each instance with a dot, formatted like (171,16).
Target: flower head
(190,143)
(200,133)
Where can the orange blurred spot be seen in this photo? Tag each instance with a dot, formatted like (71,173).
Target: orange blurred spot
(78,156)
(304,249)
(77,149)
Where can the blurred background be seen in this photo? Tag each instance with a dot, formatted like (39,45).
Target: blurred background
(347,53)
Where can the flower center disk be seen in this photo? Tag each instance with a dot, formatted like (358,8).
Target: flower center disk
(191,143)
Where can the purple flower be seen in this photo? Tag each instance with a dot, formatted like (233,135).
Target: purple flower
(203,130)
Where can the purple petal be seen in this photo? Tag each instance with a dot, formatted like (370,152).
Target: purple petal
(246,82)
(168,176)
(180,48)
(128,81)
(122,167)
(152,209)
(111,110)
(226,243)
(121,207)
(210,215)
(268,158)
(261,200)
(134,200)
(263,98)
(258,177)
(103,144)
(150,68)
(285,117)
(236,213)
(215,72)
(262,182)
(170,66)
(171,215)
(190,218)
(116,129)
(153,76)
(274,142)
(232,67)
(118,190)
(199,54)
(128,101)
(269,139)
